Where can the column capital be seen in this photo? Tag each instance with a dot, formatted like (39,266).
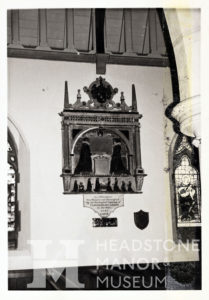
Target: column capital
(187,113)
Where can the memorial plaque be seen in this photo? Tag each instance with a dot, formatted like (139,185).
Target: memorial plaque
(103,204)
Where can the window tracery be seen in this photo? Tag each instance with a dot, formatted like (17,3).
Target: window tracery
(12,181)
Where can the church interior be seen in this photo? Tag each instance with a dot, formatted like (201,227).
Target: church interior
(104,103)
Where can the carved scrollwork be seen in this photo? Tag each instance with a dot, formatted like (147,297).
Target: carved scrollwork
(101,95)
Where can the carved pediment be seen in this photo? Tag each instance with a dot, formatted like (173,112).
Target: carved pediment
(101,95)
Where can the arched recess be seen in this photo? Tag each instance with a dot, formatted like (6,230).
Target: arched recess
(23,189)
(113,131)
(116,131)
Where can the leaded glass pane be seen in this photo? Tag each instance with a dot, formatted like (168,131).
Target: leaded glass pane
(12,180)
(183,145)
(9,148)
(11,177)
(187,184)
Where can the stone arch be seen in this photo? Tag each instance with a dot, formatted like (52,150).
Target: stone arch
(116,131)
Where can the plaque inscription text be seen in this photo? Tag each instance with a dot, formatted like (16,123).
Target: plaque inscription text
(103,204)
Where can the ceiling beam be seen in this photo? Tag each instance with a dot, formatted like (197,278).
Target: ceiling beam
(150,61)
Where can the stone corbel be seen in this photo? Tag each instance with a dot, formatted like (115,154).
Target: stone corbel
(187,113)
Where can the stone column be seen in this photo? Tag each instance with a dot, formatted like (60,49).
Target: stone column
(71,156)
(138,149)
(184,29)
(130,163)
(65,145)
(139,172)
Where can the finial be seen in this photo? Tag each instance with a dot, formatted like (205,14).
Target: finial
(134,100)
(66,98)
(122,98)
(79,96)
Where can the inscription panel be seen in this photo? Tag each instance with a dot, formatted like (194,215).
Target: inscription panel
(103,204)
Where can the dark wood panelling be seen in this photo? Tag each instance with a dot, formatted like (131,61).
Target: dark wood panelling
(83,30)
(28,27)
(114,31)
(133,31)
(9,27)
(139,26)
(130,32)
(55,20)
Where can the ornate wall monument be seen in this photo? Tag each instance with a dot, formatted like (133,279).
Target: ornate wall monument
(101,142)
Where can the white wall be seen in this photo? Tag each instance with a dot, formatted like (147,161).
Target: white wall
(36,92)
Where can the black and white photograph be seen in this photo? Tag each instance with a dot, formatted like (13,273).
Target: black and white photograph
(104,163)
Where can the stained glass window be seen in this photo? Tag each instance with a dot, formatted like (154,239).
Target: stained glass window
(12,179)
(187,183)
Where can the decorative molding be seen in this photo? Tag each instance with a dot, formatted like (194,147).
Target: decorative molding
(101,95)
(95,119)
(187,113)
